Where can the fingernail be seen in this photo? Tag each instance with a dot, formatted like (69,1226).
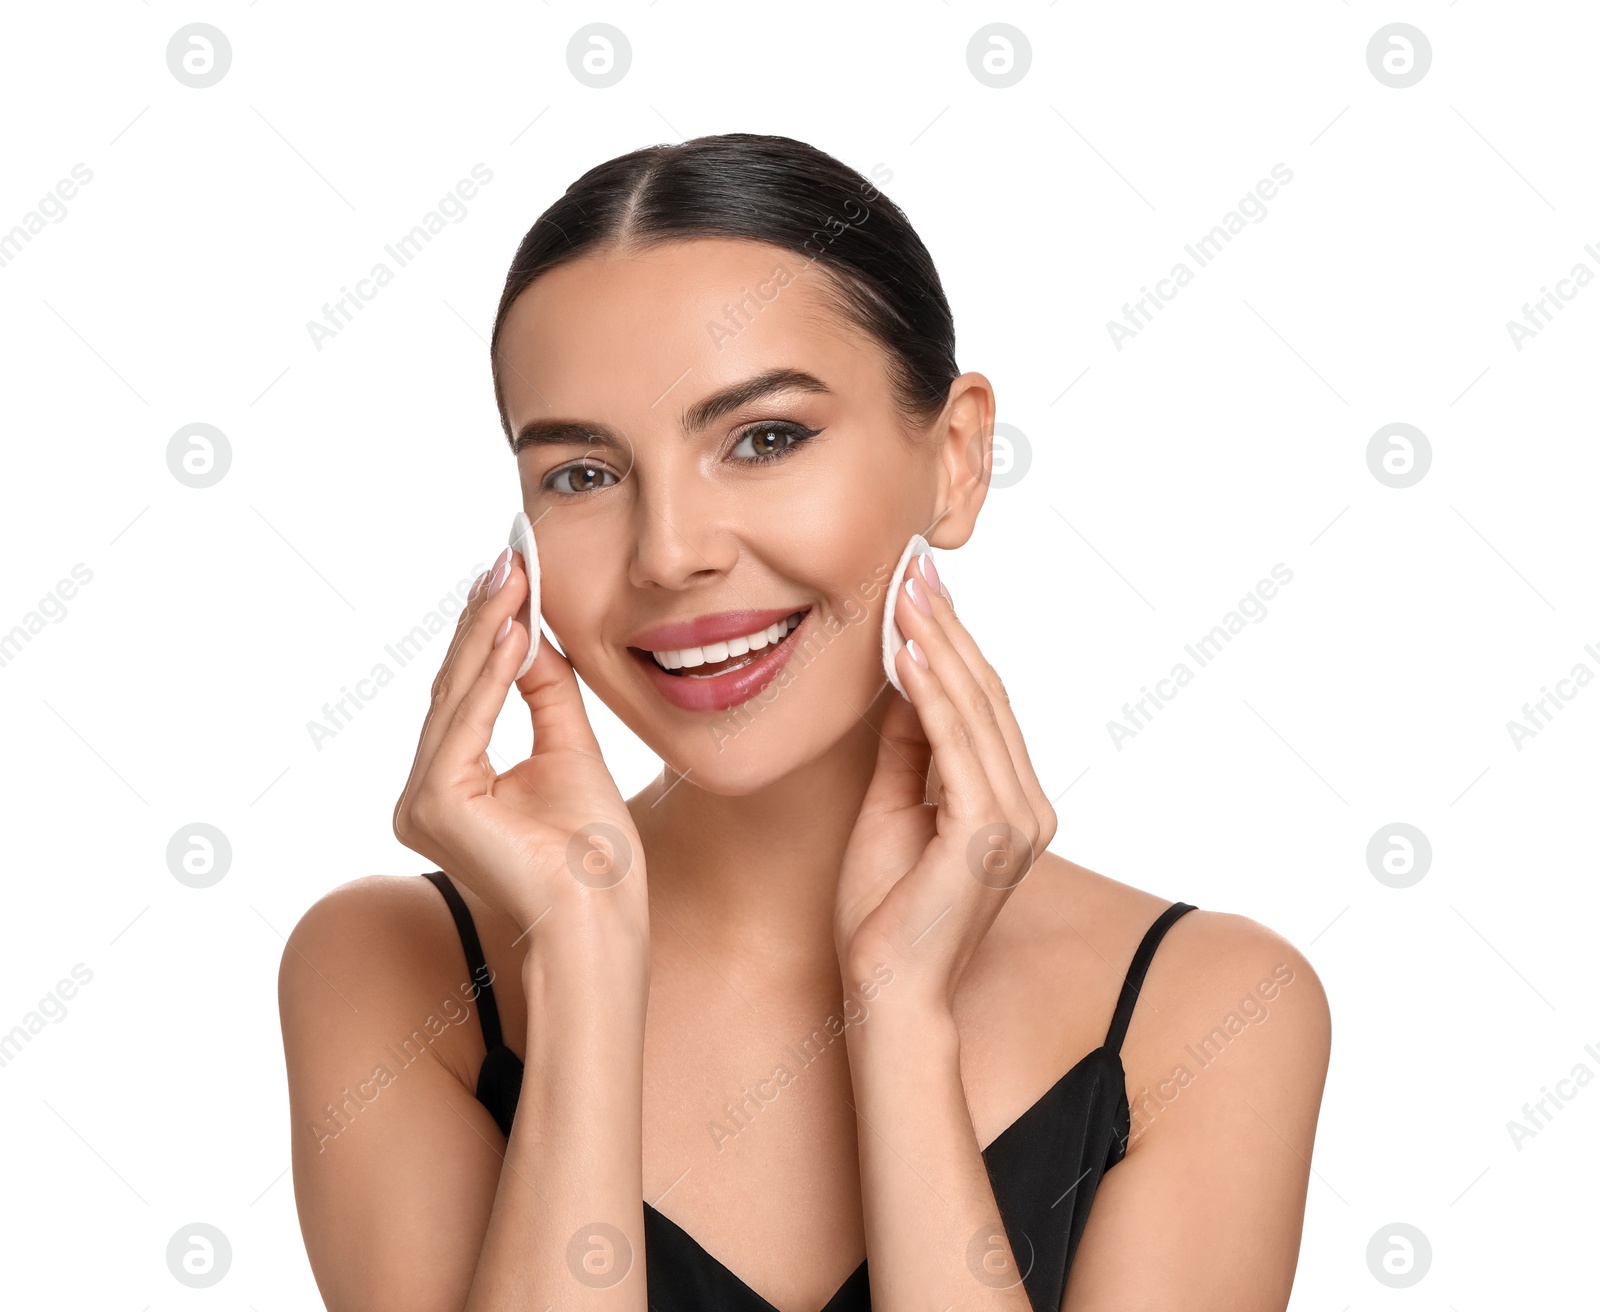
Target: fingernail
(916,652)
(930,573)
(918,597)
(945,593)
(502,571)
(504,630)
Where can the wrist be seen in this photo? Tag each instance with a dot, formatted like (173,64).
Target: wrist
(900,1018)
(902,1046)
(571,964)
(916,1001)
(564,913)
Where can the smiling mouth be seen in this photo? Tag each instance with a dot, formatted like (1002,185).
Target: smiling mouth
(720,658)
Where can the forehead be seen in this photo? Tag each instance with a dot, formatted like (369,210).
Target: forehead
(619,333)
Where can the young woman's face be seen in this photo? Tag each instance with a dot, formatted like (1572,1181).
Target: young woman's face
(670,514)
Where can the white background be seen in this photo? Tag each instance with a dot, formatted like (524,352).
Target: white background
(1165,479)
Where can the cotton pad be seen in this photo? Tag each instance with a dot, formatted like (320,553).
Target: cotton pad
(522,541)
(892,640)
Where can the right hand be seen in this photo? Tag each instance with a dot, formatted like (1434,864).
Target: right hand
(514,838)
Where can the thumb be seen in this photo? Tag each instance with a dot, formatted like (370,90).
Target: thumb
(555,705)
(899,779)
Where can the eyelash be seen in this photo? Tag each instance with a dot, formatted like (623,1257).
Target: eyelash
(797,433)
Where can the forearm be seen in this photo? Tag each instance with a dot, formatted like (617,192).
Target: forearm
(567,1229)
(934,1238)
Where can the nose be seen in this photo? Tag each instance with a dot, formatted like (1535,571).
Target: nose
(681,531)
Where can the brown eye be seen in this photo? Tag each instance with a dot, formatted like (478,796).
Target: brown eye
(770,441)
(574,480)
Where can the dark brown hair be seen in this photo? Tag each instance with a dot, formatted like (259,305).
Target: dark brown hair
(769,189)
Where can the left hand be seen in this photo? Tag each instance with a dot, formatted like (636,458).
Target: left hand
(922,882)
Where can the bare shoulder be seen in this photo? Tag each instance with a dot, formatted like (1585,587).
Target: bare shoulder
(369,909)
(1064,913)
(1230,1013)
(1230,998)
(1225,1060)
(366,956)
(395,1167)
(1215,980)
(367,922)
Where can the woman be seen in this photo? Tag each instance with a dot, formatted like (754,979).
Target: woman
(818,996)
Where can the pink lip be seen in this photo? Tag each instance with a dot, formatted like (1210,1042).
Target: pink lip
(723,691)
(707,629)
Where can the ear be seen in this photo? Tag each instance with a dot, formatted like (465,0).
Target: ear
(965,431)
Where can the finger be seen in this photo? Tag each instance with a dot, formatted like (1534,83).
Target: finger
(978,714)
(968,799)
(555,703)
(469,648)
(476,595)
(428,737)
(461,758)
(549,689)
(968,809)
(989,679)
(900,775)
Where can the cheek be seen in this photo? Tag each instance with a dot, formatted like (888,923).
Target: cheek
(846,568)
(572,592)
(830,537)
(845,641)
(840,544)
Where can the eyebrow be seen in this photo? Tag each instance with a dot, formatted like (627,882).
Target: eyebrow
(579,432)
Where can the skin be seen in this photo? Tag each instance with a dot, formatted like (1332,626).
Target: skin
(763,876)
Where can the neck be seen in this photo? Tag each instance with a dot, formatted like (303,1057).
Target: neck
(753,877)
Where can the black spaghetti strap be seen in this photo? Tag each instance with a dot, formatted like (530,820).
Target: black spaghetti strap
(1135,980)
(477,967)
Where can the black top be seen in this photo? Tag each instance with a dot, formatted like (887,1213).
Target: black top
(1044,1167)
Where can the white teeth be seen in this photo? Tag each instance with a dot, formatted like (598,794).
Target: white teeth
(713,652)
